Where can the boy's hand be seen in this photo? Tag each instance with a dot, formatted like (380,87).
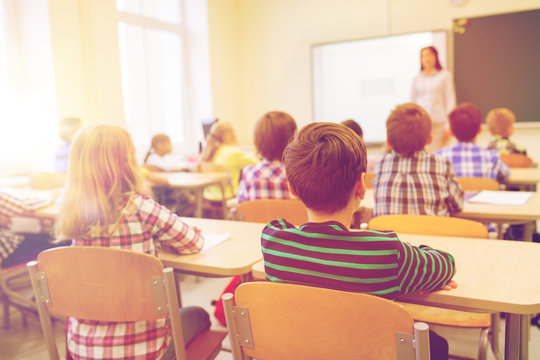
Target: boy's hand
(452,284)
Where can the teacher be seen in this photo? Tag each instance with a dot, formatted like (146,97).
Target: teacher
(433,90)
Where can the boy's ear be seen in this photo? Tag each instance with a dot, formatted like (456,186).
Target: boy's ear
(388,145)
(293,193)
(430,139)
(360,187)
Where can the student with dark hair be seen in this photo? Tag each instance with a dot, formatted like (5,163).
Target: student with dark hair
(409,180)
(326,166)
(266,179)
(354,126)
(468,159)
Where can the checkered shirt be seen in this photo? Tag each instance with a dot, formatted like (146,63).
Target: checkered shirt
(9,206)
(505,146)
(140,229)
(471,160)
(422,184)
(265,180)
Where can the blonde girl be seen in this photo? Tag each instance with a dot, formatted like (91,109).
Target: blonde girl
(103,206)
(221,153)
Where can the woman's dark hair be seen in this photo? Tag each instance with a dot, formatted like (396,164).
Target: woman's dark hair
(436,53)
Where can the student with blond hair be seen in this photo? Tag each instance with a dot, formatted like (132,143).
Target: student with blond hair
(104,206)
(500,122)
(267,179)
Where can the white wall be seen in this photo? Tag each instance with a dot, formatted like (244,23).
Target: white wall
(261,57)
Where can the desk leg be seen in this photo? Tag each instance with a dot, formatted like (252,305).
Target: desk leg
(512,339)
(246,277)
(528,229)
(524,337)
(198,210)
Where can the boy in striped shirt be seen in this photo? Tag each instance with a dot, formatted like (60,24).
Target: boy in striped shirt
(325,165)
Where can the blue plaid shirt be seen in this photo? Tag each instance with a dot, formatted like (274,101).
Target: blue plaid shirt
(265,180)
(471,160)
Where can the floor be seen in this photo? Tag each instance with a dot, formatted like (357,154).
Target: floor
(27,342)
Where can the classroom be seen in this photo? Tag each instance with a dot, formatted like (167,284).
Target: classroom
(147,67)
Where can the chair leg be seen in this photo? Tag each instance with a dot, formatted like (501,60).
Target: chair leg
(494,335)
(6,321)
(483,344)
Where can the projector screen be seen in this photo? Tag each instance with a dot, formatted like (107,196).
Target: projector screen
(365,79)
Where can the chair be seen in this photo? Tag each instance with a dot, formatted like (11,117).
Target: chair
(264,211)
(477,184)
(445,226)
(90,283)
(516,160)
(16,291)
(269,321)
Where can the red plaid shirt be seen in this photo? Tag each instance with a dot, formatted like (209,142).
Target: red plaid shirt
(423,184)
(140,229)
(265,180)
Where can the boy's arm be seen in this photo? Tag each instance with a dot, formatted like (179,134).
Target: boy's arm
(423,268)
(454,202)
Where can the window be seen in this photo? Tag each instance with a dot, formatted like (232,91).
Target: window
(156,73)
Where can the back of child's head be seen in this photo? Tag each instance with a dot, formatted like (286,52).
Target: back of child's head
(354,126)
(500,121)
(68,127)
(102,169)
(219,133)
(273,131)
(408,128)
(156,141)
(323,163)
(465,121)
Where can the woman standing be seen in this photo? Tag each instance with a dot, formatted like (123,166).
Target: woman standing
(433,89)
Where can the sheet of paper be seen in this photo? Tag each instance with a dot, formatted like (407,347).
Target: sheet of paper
(211,240)
(501,197)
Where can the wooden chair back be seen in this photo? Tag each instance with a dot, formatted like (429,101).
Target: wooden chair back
(516,160)
(264,211)
(288,321)
(429,225)
(478,184)
(90,283)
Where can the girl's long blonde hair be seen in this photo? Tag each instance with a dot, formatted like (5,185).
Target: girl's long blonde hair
(215,139)
(102,169)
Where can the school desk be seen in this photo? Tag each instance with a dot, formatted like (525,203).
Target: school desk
(488,213)
(492,275)
(196,182)
(524,178)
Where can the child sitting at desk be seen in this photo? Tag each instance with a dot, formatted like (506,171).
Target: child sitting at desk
(500,122)
(220,154)
(103,206)
(326,166)
(267,179)
(409,180)
(469,159)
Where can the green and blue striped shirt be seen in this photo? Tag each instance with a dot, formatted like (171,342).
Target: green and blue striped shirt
(331,256)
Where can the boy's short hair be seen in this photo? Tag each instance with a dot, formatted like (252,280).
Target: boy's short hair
(500,120)
(354,126)
(408,128)
(67,127)
(465,121)
(273,131)
(323,164)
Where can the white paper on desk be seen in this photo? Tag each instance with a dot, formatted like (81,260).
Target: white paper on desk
(21,224)
(211,240)
(501,197)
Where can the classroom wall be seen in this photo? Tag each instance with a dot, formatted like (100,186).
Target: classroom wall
(260,50)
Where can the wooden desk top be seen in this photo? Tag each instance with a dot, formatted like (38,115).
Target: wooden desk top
(524,176)
(194,179)
(492,275)
(530,211)
(234,256)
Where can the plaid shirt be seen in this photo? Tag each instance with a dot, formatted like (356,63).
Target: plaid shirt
(139,227)
(504,146)
(265,180)
(471,160)
(9,206)
(422,184)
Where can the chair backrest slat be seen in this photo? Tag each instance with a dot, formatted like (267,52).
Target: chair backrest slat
(117,281)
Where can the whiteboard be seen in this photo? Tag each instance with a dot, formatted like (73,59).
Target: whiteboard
(365,79)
